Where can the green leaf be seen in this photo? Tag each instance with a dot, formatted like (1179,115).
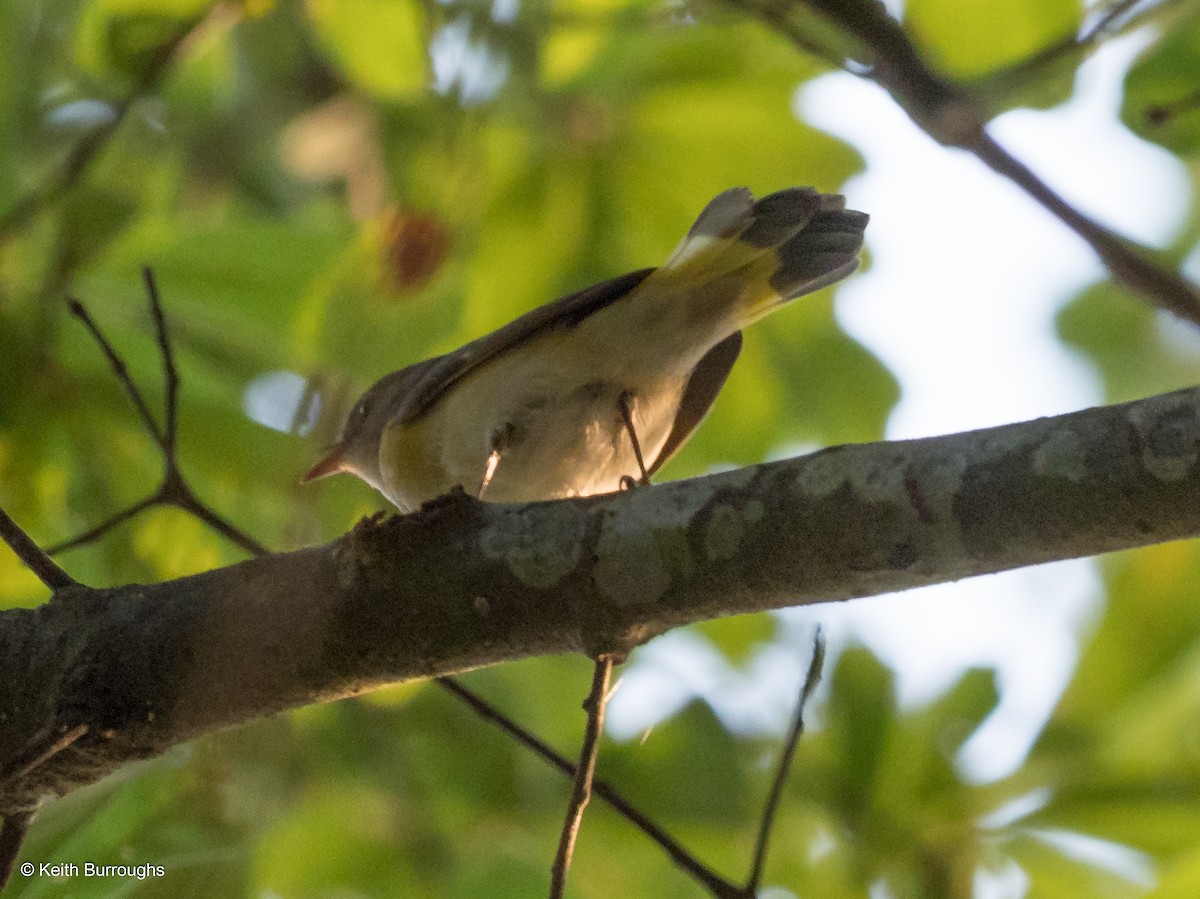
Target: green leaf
(688,769)
(738,637)
(378,44)
(1180,879)
(969,38)
(1057,874)
(122,36)
(1129,341)
(1162,99)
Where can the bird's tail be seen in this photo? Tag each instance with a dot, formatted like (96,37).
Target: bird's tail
(751,256)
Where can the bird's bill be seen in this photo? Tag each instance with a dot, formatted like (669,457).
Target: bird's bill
(331,463)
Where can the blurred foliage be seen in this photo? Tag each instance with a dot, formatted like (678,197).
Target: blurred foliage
(329,189)
(1162,98)
(969,38)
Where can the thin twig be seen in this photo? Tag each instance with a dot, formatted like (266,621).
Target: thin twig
(811,679)
(683,859)
(229,531)
(174,489)
(93,534)
(581,792)
(170,373)
(12,835)
(35,558)
(117,364)
(1128,262)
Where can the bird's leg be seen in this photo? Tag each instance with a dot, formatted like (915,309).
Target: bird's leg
(499,442)
(626,411)
(489,471)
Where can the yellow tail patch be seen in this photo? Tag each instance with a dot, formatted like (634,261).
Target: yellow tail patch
(783,246)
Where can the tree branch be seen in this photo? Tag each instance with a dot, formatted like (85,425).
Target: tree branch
(462,584)
(585,772)
(173,490)
(951,115)
(34,557)
(811,678)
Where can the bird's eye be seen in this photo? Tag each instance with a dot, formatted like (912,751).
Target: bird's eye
(363,407)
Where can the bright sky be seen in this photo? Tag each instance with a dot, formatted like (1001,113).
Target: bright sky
(965,276)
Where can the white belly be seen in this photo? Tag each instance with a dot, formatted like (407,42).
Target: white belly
(554,440)
(557,427)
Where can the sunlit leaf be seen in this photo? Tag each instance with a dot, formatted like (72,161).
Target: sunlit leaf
(1162,101)
(379,44)
(973,37)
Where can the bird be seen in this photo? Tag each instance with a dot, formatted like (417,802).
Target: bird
(593,392)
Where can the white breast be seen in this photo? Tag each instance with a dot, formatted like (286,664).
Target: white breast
(553,415)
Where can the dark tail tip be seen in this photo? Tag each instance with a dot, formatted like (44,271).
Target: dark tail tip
(825,251)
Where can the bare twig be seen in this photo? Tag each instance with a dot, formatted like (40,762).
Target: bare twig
(35,558)
(180,495)
(714,883)
(174,489)
(170,374)
(95,533)
(1128,262)
(594,705)
(811,679)
(120,369)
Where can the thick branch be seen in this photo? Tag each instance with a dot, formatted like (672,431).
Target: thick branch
(463,584)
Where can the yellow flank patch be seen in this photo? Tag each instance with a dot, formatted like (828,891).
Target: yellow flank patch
(722,275)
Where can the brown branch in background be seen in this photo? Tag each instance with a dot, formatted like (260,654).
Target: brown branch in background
(1128,262)
(174,489)
(585,772)
(811,679)
(35,558)
(89,147)
(120,369)
(170,373)
(950,114)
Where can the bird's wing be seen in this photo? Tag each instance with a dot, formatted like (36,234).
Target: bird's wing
(706,381)
(565,312)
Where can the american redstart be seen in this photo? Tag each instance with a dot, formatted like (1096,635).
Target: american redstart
(603,385)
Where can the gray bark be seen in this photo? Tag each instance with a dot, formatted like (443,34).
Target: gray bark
(139,668)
